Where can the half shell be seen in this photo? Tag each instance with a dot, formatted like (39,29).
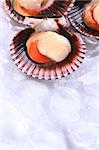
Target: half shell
(76,19)
(57,9)
(47,71)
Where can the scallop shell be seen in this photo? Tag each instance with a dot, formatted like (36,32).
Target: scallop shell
(49,71)
(57,9)
(75,18)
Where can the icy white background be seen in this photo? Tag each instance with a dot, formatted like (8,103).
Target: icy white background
(47,115)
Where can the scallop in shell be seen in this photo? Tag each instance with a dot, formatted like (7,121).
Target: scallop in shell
(53,70)
(52,9)
(76,19)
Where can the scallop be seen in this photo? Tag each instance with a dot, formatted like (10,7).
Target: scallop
(50,70)
(47,9)
(75,17)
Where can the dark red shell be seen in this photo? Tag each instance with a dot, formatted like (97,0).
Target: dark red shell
(82,1)
(76,19)
(49,71)
(57,9)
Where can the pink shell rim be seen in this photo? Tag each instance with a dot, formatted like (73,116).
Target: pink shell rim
(29,22)
(79,30)
(51,74)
